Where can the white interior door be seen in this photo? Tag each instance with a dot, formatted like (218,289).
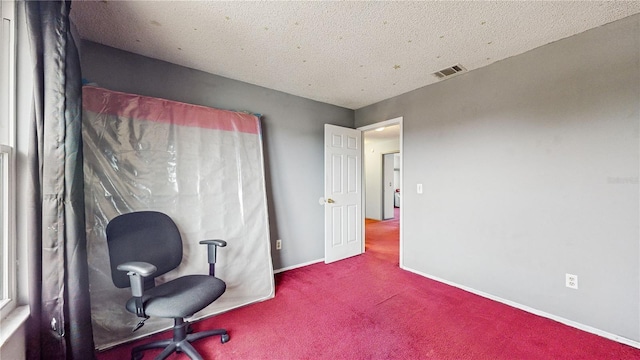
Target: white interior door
(388,190)
(342,192)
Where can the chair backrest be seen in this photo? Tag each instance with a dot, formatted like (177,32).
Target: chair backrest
(148,236)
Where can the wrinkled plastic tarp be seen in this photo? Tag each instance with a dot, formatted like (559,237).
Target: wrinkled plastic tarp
(201,166)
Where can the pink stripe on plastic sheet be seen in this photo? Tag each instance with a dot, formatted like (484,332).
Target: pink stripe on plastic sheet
(139,107)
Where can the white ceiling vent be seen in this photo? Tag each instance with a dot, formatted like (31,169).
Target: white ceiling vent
(449,71)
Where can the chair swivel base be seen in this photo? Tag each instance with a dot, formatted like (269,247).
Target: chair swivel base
(181,342)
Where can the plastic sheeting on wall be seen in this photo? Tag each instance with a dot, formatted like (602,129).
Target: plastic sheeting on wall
(201,166)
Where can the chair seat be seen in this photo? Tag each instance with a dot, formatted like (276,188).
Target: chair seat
(181,297)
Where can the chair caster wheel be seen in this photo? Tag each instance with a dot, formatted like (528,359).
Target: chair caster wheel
(224,338)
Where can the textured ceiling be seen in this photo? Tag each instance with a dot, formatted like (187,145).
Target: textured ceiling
(349,54)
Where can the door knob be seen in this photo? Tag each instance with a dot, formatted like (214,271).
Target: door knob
(330,201)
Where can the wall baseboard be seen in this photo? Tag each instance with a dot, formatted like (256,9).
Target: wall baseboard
(297,266)
(531,310)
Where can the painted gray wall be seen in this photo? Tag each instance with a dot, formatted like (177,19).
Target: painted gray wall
(293,133)
(530,169)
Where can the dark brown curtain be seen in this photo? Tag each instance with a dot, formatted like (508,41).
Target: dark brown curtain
(60,323)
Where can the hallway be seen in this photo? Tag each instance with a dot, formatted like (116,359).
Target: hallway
(382,238)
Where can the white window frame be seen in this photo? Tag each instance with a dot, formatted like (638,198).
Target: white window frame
(7,164)
(7,152)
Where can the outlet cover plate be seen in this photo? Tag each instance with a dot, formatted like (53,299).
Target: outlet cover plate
(571,281)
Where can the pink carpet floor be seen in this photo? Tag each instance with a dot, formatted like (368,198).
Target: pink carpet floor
(366,307)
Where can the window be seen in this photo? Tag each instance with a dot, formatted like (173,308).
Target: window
(7,164)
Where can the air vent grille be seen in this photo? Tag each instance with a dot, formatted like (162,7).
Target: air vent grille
(449,71)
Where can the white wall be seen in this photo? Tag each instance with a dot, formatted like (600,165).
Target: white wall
(530,169)
(373,151)
(14,348)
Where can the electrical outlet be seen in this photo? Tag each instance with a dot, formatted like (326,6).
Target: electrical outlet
(278,244)
(572,281)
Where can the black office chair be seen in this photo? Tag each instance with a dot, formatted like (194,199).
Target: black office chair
(147,244)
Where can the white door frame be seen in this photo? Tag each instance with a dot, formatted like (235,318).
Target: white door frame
(394,121)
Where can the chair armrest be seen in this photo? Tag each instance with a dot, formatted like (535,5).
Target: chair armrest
(142,268)
(212,246)
(216,242)
(137,271)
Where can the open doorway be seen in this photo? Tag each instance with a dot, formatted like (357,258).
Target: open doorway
(382,184)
